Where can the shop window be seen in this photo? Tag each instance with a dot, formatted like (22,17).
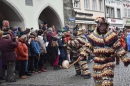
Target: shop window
(118,13)
(76,4)
(94,4)
(100,5)
(86,4)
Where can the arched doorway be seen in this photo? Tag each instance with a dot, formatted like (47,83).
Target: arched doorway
(50,16)
(8,12)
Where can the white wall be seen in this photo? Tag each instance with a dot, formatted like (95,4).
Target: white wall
(31,13)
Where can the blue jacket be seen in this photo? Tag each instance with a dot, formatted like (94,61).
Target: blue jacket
(63,53)
(35,48)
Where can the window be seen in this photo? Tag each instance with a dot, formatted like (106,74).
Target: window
(128,12)
(112,12)
(125,12)
(94,6)
(100,5)
(118,13)
(86,4)
(107,12)
(76,4)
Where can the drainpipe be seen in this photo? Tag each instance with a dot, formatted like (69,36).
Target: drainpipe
(105,8)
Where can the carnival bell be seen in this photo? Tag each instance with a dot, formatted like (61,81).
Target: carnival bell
(65,64)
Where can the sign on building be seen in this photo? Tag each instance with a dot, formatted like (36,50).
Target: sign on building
(29,2)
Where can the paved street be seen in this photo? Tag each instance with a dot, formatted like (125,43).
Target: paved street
(65,77)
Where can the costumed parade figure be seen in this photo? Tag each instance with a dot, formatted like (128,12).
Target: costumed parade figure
(104,44)
(73,48)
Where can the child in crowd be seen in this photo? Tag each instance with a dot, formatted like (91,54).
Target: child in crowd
(35,54)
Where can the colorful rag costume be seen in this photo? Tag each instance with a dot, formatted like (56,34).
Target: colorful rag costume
(73,48)
(105,47)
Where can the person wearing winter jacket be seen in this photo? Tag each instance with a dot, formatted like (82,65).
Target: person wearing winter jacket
(22,56)
(42,49)
(35,54)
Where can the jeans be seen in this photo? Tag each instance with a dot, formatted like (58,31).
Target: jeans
(26,69)
(22,68)
(10,70)
(36,63)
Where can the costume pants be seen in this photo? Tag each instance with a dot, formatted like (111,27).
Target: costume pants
(103,74)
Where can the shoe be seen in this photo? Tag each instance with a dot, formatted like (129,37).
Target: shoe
(87,77)
(23,77)
(43,69)
(77,74)
(56,68)
(26,73)
(13,80)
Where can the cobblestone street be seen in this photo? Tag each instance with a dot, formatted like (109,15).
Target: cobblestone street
(66,77)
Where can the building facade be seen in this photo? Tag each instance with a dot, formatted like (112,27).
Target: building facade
(86,11)
(114,13)
(126,13)
(28,13)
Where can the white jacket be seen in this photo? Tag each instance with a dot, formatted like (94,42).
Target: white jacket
(41,43)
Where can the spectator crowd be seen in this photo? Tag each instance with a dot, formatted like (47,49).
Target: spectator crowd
(27,51)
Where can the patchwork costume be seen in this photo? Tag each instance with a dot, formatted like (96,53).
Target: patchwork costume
(73,48)
(105,47)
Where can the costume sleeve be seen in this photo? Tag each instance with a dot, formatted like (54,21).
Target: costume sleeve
(86,50)
(120,52)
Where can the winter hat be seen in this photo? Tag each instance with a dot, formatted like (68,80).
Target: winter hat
(50,29)
(15,28)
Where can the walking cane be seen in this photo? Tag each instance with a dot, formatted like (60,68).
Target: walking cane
(66,64)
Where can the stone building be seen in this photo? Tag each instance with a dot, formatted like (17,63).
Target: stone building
(28,13)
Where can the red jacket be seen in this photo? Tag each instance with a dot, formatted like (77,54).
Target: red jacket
(22,51)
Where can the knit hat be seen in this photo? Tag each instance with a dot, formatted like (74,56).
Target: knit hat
(50,29)
(101,20)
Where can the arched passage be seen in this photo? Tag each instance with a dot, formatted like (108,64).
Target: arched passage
(50,16)
(8,12)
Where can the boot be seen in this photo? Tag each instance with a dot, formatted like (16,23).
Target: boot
(26,73)
(87,77)
(56,68)
(43,69)
(78,73)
